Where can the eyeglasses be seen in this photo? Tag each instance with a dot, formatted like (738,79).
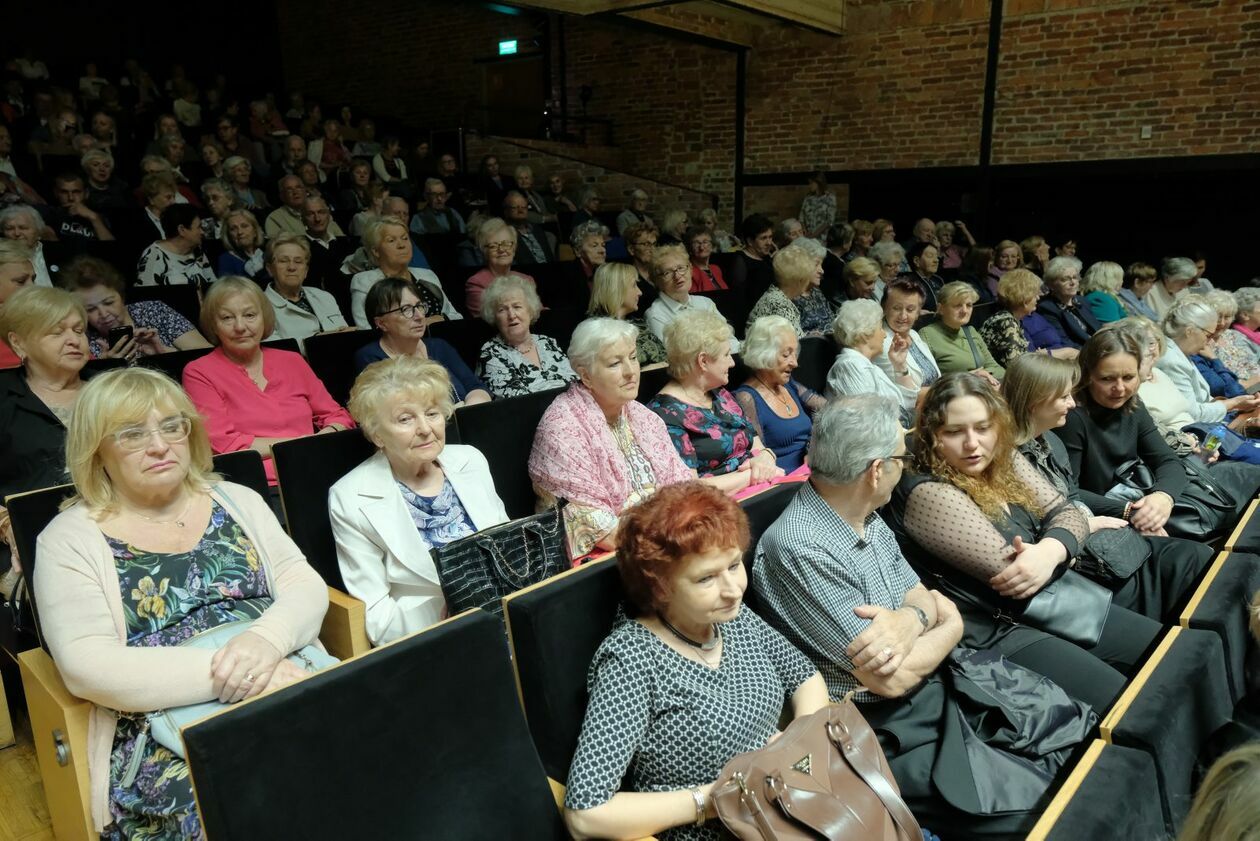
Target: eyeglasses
(676,271)
(905,460)
(505,245)
(136,438)
(407,310)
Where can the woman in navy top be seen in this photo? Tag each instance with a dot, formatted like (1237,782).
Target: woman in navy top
(779,408)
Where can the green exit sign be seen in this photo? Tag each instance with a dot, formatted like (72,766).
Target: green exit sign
(507,48)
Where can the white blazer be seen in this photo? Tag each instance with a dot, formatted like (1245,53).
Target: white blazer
(294,322)
(384,560)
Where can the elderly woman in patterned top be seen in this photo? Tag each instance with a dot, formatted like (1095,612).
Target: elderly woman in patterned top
(704,420)
(687,678)
(177,259)
(795,272)
(517,361)
(596,447)
(155,327)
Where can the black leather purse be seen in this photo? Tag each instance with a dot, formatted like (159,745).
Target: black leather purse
(1202,509)
(479,570)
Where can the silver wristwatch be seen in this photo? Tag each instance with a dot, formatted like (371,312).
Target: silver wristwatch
(921,613)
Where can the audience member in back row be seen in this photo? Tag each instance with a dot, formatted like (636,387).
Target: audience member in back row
(859,330)
(687,678)
(955,344)
(178,259)
(778,407)
(706,276)
(890,256)
(994,531)
(436,217)
(397,312)
(388,244)
(1100,289)
(243,245)
(1139,279)
(22,223)
(254,397)
(46,329)
(596,447)
(155,326)
(414,494)
(752,273)
(1063,307)
(672,272)
(704,421)
(498,242)
(1175,274)
(616,293)
(1017,328)
(16,272)
(153,550)
(830,576)
(640,239)
(518,361)
(301,311)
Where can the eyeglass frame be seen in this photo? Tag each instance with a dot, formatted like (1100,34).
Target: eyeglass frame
(402,310)
(185,422)
(677,271)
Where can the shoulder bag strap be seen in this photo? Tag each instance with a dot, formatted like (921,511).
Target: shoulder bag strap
(872,775)
(971,343)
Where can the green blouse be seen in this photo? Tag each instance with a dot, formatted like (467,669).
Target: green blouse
(953,352)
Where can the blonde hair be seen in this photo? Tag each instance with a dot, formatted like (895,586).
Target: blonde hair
(504,286)
(1227,805)
(374,232)
(764,341)
(220,291)
(608,290)
(112,400)
(663,252)
(1224,302)
(424,379)
(248,216)
(286,238)
(1032,379)
(12,251)
(955,290)
(860,268)
(491,227)
(1103,276)
(1016,287)
(794,270)
(33,310)
(692,333)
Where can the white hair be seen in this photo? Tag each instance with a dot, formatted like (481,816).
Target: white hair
(764,341)
(15,210)
(1178,268)
(504,286)
(1223,301)
(1188,312)
(851,432)
(856,320)
(595,334)
(1059,265)
(1247,298)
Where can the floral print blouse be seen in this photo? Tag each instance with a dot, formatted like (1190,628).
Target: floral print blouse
(774,302)
(1238,353)
(508,373)
(818,213)
(816,313)
(1005,337)
(712,441)
(169,324)
(648,346)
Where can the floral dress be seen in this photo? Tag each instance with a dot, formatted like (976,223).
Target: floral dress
(712,441)
(774,302)
(648,346)
(508,373)
(169,324)
(1005,337)
(169,597)
(816,313)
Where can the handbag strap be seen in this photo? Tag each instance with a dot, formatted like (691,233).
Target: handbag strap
(753,805)
(971,343)
(871,774)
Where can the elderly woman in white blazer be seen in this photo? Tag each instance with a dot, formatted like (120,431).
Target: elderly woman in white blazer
(1187,325)
(414,494)
(301,311)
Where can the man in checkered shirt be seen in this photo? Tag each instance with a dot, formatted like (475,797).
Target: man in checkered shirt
(829,574)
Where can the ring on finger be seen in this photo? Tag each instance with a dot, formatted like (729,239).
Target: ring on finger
(249,678)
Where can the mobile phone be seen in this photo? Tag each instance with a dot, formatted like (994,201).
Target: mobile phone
(117,334)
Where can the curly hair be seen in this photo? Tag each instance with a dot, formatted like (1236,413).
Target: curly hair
(657,535)
(997,485)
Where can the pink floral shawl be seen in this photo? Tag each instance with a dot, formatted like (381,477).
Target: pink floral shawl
(1248,332)
(575,457)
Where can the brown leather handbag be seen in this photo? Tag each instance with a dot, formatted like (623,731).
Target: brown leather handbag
(825,777)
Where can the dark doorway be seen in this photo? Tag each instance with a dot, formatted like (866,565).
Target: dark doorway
(513,96)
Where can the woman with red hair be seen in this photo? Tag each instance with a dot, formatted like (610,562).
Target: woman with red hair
(693,679)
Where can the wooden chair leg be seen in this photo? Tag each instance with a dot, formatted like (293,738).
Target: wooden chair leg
(344,632)
(59,723)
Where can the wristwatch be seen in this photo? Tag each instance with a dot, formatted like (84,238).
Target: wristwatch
(921,613)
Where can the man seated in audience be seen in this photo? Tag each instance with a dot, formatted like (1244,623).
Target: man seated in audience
(437,218)
(494,185)
(829,576)
(538,213)
(329,246)
(20,187)
(294,155)
(636,211)
(229,134)
(456,183)
(532,244)
(72,220)
(287,218)
(924,231)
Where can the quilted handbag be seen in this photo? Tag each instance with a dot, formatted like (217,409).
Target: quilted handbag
(825,777)
(164,726)
(479,570)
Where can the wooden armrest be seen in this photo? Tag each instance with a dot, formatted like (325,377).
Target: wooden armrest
(1070,786)
(344,632)
(1206,584)
(59,724)
(1232,540)
(1112,719)
(557,791)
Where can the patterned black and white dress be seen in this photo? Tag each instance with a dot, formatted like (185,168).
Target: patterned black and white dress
(508,373)
(159,267)
(672,722)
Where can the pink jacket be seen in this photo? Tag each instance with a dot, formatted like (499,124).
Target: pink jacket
(81,615)
(295,402)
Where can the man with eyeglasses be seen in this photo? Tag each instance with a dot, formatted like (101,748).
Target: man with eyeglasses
(436,217)
(533,246)
(830,577)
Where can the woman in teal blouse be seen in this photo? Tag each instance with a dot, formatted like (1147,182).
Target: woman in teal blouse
(1100,288)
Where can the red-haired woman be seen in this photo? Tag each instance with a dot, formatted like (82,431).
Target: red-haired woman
(692,680)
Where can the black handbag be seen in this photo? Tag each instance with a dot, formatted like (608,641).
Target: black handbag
(479,570)
(1113,555)
(1202,509)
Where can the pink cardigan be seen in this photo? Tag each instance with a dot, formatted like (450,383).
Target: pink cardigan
(295,402)
(81,615)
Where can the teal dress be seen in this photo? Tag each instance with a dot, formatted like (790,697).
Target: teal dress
(168,598)
(1104,306)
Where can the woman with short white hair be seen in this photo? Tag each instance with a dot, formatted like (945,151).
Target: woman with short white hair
(416,493)
(705,422)
(779,408)
(1188,324)
(1248,318)
(1234,350)
(597,447)
(517,361)
(23,223)
(891,259)
(859,330)
(1100,290)
(497,241)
